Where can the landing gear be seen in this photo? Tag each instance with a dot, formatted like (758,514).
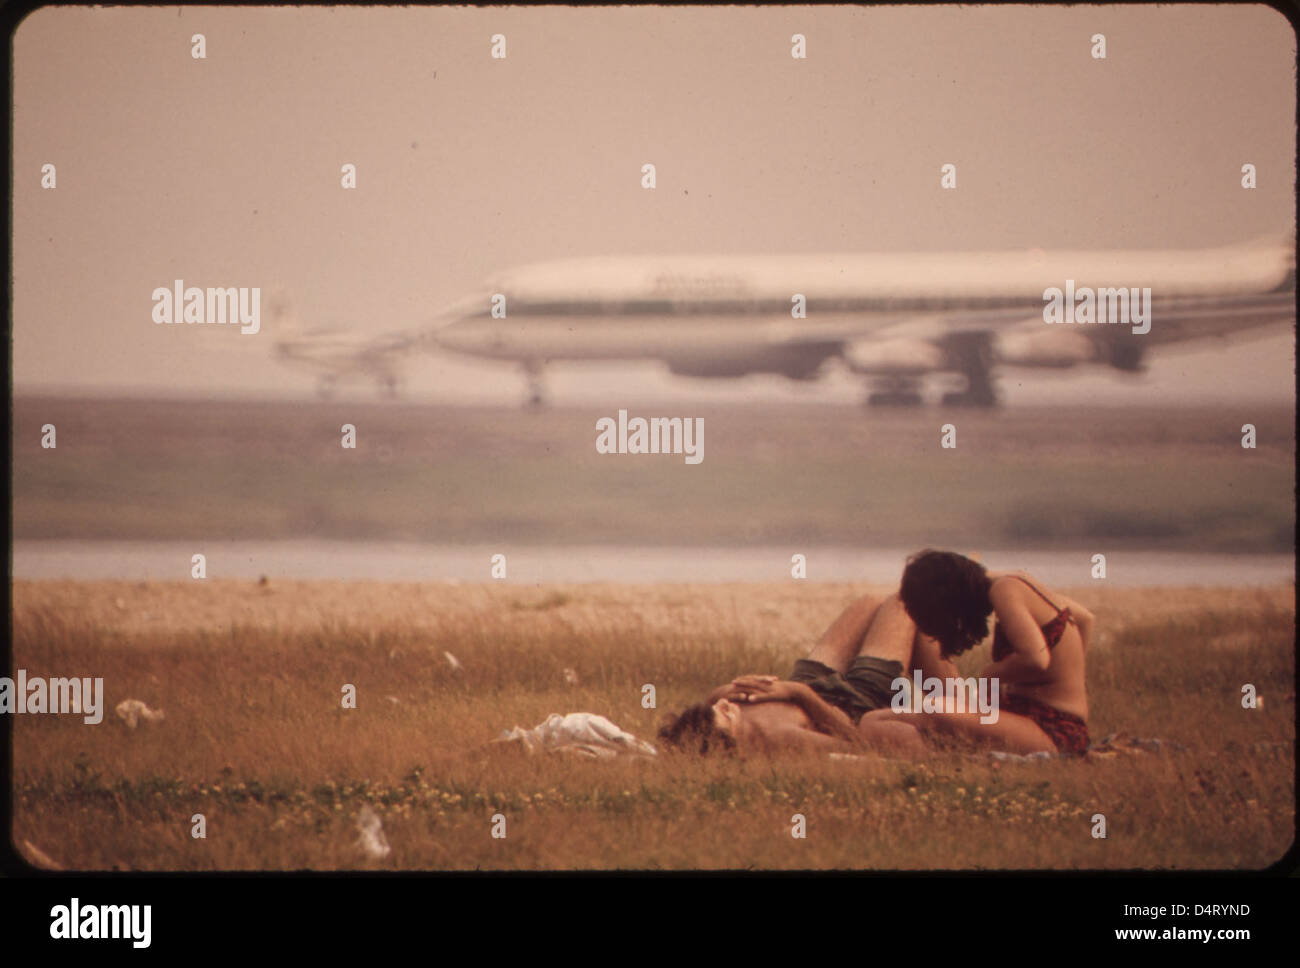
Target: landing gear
(1127,357)
(536,389)
(973,396)
(894,391)
(971,354)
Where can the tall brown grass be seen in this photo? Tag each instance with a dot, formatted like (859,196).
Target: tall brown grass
(256,739)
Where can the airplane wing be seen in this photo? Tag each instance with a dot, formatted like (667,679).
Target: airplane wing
(1023,338)
(898,353)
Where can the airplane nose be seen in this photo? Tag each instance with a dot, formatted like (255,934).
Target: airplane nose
(458,335)
(446,335)
(455,328)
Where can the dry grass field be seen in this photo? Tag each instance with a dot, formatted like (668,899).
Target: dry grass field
(255,738)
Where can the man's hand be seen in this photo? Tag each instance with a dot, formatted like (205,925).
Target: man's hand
(767,689)
(735,692)
(825,717)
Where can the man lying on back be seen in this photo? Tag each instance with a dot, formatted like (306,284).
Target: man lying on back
(849,672)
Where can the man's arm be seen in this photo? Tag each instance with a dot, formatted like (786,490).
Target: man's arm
(825,717)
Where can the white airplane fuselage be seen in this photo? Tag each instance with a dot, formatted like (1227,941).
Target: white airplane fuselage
(721,314)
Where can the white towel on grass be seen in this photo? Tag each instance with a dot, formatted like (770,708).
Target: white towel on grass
(584,733)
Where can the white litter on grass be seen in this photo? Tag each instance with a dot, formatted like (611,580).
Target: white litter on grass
(583,733)
(571,677)
(453,662)
(131,711)
(372,841)
(1022,757)
(39,858)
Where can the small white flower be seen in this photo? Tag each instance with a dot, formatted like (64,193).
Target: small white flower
(372,840)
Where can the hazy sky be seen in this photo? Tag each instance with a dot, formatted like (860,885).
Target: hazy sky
(225,171)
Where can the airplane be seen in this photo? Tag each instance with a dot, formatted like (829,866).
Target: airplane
(893,318)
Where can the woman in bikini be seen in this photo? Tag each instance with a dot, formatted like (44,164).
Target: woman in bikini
(1039,646)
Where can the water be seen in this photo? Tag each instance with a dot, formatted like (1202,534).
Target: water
(395,561)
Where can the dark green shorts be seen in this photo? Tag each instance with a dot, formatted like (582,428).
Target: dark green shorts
(867,685)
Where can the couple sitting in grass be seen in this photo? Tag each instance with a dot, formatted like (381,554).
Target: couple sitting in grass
(841,697)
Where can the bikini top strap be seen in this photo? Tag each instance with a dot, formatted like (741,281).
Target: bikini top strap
(1040,594)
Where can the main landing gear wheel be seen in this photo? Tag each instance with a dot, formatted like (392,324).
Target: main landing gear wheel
(972,354)
(894,392)
(972,396)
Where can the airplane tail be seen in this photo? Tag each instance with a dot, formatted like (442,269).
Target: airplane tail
(283,324)
(280,314)
(1274,240)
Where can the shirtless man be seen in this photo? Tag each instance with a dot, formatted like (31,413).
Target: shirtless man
(848,673)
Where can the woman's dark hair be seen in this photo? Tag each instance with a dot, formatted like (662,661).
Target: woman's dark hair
(947,596)
(695,731)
